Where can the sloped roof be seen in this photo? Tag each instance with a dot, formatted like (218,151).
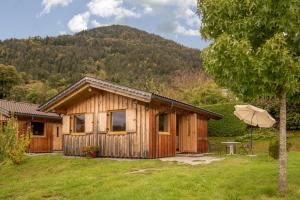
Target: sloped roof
(125,91)
(24,109)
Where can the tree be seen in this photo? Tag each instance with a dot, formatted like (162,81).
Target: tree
(13,144)
(9,77)
(254,52)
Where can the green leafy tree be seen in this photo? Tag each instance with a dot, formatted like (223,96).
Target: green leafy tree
(9,77)
(255,52)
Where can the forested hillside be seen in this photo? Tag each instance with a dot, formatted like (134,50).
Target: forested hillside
(117,53)
(35,69)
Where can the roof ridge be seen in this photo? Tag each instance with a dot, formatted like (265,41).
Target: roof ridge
(19,102)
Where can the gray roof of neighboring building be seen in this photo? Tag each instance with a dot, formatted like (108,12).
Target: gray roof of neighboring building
(24,109)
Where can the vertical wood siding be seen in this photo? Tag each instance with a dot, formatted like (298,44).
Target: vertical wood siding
(188,133)
(162,145)
(202,143)
(134,144)
(193,134)
(38,144)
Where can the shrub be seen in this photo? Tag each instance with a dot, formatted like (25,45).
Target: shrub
(274,148)
(13,146)
(230,125)
(90,151)
(258,134)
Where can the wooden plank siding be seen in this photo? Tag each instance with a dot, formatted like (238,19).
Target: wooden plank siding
(188,133)
(161,145)
(193,134)
(132,144)
(202,141)
(38,144)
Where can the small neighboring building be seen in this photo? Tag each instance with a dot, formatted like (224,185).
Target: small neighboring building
(45,127)
(126,122)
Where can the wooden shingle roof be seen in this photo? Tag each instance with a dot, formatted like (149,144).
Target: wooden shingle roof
(24,109)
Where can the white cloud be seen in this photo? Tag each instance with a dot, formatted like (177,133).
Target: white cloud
(48,5)
(160,3)
(190,17)
(147,9)
(111,8)
(95,23)
(79,22)
(176,16)
(186,31)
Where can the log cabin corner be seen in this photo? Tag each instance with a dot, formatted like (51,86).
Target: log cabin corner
(128,123)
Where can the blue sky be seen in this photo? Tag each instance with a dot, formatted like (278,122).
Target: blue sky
(172,19)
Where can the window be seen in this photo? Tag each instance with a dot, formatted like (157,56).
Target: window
(37,128)
(57,131)
(118,121)
(163,122)
(79,121)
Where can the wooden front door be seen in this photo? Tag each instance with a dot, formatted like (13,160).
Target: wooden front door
(57,137)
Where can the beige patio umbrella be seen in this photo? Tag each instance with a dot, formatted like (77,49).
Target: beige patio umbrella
(254,116)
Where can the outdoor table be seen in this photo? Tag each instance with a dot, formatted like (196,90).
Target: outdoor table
(231,146)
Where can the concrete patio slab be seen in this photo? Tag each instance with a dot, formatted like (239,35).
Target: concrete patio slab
(192,160)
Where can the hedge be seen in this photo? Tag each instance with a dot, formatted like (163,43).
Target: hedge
(230,125)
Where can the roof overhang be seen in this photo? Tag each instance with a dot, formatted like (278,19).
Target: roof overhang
(186,106)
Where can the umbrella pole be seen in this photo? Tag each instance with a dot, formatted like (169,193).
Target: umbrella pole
(251,143)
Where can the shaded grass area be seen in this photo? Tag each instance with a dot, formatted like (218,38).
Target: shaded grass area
(58,177)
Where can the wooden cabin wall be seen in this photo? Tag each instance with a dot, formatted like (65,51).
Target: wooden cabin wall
(38,144)
(188,133)
(202,142)
(135,144)
(162,145)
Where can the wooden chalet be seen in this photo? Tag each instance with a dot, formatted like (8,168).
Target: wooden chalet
(45,127)
(126,122)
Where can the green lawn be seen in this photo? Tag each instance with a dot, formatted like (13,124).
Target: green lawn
(58,177)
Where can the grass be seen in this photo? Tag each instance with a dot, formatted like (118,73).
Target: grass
(234,178)
(58,177)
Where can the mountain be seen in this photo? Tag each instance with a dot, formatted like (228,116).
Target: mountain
(117,53)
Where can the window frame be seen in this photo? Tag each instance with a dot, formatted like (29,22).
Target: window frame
(109,115)
(31,126)
(73,124)
(168,124)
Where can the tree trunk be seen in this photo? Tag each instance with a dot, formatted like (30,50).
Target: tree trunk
(282,182)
